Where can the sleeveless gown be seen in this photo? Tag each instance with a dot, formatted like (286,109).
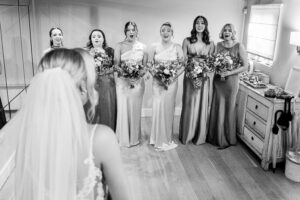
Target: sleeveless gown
(222,126)
(106,109)
(163,102)
(129,102)
(195,105)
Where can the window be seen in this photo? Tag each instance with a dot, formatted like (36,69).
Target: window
(262,32)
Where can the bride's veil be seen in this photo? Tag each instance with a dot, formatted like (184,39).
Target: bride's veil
(53,142)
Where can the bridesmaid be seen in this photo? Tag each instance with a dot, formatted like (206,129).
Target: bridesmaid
(164,99)
(196,102)
(56,39)
(129,99)
(106,110)
(222,125)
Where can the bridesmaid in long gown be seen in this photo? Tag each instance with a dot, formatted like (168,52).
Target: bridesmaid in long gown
(56,39)
(164,99)
(129,99)
(222,125)
(196,101)
(106,109)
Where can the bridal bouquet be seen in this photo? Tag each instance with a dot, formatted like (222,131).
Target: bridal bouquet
(103,63)
(225,62)
(130,69)
(196,69)
(165,71)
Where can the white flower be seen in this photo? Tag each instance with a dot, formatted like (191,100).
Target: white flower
(229,60)
(198,70)
(166,71)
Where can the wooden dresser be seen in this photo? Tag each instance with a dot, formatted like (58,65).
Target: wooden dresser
(255,118)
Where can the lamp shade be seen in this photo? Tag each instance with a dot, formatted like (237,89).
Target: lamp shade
(295,38)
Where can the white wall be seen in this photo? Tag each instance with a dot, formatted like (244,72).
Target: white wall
(78,17)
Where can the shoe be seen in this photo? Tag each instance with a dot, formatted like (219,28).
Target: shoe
(171,145)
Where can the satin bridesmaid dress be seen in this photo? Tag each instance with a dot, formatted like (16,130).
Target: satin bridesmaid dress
(129,101)
(163,104)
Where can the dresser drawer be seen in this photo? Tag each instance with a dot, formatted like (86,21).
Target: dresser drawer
(258,108)
(255,124)
(253,140)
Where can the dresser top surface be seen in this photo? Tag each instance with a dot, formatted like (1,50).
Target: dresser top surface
(261,92)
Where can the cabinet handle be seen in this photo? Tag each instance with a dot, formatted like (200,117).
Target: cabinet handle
(252,138)
(254,123)
(256,106)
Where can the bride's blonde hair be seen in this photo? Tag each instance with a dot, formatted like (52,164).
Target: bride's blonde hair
(80,65)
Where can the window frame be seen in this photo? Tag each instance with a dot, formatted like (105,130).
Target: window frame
(256,57)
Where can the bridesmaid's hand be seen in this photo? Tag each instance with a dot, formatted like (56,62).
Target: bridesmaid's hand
(132,81)
(197,82)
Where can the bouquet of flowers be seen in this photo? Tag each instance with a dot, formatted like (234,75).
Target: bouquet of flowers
(165,71)
(130,69)
(225,62)
(103,63)
(196,69)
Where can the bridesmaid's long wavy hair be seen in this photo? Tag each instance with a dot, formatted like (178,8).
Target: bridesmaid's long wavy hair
(128,24)
(205,34)
(50,34)
(108,50)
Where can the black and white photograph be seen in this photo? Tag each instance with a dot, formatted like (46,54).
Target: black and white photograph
(149,100)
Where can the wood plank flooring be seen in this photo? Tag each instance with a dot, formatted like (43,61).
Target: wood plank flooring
(192,172)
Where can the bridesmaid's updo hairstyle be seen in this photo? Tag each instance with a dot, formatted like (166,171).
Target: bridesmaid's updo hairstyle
(167,24)
(232,30)
(128,24)
(89,44)
(50,34)
(205,34)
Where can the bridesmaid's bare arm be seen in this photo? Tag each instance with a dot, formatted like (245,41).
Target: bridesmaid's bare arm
(180,56)
(151,54)
(243,57)
(185,44)
(117,57)
(145,57)
(212,48)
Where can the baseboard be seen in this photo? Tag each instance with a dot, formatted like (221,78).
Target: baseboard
(7,169)
(147,112)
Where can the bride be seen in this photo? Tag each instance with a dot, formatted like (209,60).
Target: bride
(56,158)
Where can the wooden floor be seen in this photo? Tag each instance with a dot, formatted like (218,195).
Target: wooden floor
(192,172)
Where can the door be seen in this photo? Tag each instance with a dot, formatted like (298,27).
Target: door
(15,56)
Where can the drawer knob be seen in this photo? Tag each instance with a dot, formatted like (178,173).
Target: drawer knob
(256,106)
(252,138)
(254,123)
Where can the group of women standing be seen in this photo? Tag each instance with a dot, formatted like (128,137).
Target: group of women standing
(208,111)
